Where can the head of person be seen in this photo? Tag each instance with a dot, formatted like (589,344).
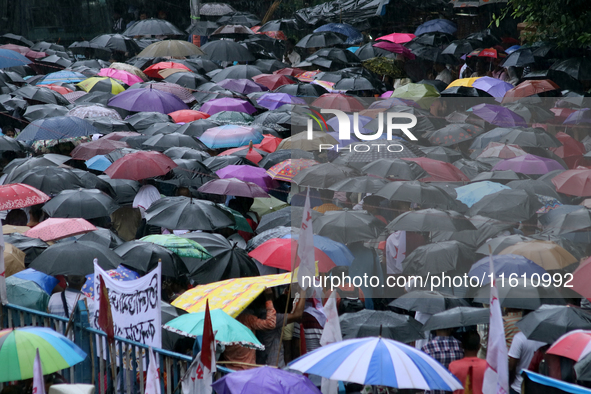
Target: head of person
(76,281)
(289,45)
(16,217)
(9,131)
(162,15)
(143,15)
(116,15)
(471,343)
(439,67)
(371,204)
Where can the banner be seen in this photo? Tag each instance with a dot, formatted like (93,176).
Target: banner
(135,306)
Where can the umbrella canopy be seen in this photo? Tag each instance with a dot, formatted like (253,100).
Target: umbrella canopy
(550,322)
(56,128)
(575,345)
(522,295)
(181,246)
(574,182)
(172,48)
(229,136)
(438,257)
(26,293)
(88,150)
(55,351)
(94,111)
(439,171)
(461,316)
(273,81)
(242,85)
(140,165)
(226,51)
(49,180)
(397,169)
(144,257)
(454,133)
(188,214)
(279,253)
(502,151)
(529,164)
(546,254)
(227,104)
(430,220)
(265,379)
(321,39)
(357,360)
(162,142)
(153,27)
(75,258)
(577,67)
(81,203)
(101,84)
(368,323)
(508,265)
(147,100)
(323,175)
(417,192)
(497,115)
(12,59)
(429,302)
(348,226)
(18,195)
(474,192)
(56,228)
(499,243)
(121,273)
(508,205)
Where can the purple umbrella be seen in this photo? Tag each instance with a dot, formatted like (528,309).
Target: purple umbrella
(497,115)
(227,104)
(276,100)
(233,187)
(580,116)
(147,100)
(494,87)
(529,164)
(251,174)
(264,380)
(243,86)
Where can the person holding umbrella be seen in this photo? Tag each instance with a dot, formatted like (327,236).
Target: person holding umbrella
(291,57)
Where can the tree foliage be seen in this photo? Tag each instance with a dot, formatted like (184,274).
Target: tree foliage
(566,23)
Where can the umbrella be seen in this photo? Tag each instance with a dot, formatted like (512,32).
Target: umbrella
(102,236)
(323,175)
(494,87)
(267,379)
(577,67)
(153,27)
(502,151)
(550,322)
(275,100)
(438,257)
(422,94)
(242,85)
(55,351)
(102,84)
(147,100)
(530,88)
(116,42)
(498,115)
(140,165)
(18,195)
(546,254)
(248,174)
(88,150)
(187,80)
(94,111)
(320,40)
(436,25)
(232,118)
(507,205)
(56,128)
(12,59)
(75,258)
(228,136)
(45,282)
(348,226)
(227,104)
(430,220)
(395,169)
(81,203)
(454,133)
(417,192)
(362,184)
(188,214)
(239,71)
(233,187)
(172,48)
(353,35)
(357,360)
(279,253)
(273,81)
(216,9)
(507,266)
(398,38)
(529,164)
(284,217)
(573,182)
(14,259)
(442,153)
(521,294)
(56,228)
(429,302)
(461,316)
(226,51)
(573,345)
(49,180)
(120,273)
(394,48)
(121,75)
(386,324)
(239,18)
(26,293)
(144,257)
(181,246)
(162,142)
(472,193)
(338,101)
(180,152)
(439,171)
(499,243)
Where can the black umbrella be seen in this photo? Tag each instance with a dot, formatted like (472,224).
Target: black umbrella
(44,95)
(434,54)
(550,322)
(302,89)
(54,61)
(431,220)
(196,128)
(91,181)
(485,229)
(462,47)
(395,169)
(216,9)
(568,222)
(320,40)
(207,93)
(89,48)
(284,154)
(116,42)
(577,67)
(186,79)
(503,176)
(186,153)
(269,65)
(226,51)
(161,128)
(369,323)
(143,120)
(202,28)
(169,338)
(81,203)
(361,184)
(188,214)
(280,25)
(75,258)
(519,58)
(239,18)
(442,153)
(368,51)
(429,302)
(144,256)
(497,244)
(531,138)
(417,192)
(240,71)
(35,112)
(50,180)
(435,38)
(354,83)
(153,27)
(464,91)
(162,142)
(228,261)
(102,236)
(472,167)
(461,316)
(218,162)
(536,186)
(43,45)
(348,226)
(439,257)
(125,189)
(200,65)
(108,125)
(507,205)
(8,144)
(486,37)
(94,97)
(286,217)
(32,247)
(17,167)
(189,173)
(323,175)
(10,38)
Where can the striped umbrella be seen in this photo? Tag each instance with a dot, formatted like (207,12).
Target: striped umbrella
(18,347)
(377,361)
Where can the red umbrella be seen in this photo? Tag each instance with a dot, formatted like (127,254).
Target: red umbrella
(440,171)
(187,115)
(88,150)
(279,253)
(253,154)
(560,114)
(233,187)
(575,182)
(580,280)
(338,101)
(273,81)
(19,195)
(57,88)
(153,70)
(287,169)
(140,165)
(269,143)
(116,136)
(529,88)
(292,71)
(57,228)
(571,150)
(574,345)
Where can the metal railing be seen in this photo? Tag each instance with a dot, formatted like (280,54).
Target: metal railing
(129,361)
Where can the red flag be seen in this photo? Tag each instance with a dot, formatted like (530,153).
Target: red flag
(208,341)
(105,319)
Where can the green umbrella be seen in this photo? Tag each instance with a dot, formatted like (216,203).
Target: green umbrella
(183,247)
(422,94)
(229,331)
(264,205)
(241,223)
(26,293)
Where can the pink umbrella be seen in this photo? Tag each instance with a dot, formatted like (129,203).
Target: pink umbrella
(57,228)
(233,187)
(398,38)
(123,76)
(19,195)
(395,48)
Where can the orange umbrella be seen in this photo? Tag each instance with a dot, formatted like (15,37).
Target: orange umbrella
(546,254)
(439,171)
(57,88)
(153,70)
(187,115)
(529,88)
(58,228)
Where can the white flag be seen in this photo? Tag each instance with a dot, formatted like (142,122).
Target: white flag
(331,334)
(198,378)
(38,380)
(496,376)
(152,378)
(3,296)
(307,267)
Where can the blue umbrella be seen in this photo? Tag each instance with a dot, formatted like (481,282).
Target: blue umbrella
(434,25)
(56,128)
(512,49)
(352,49)
(353,35)
(506,265)
(10,58)
(63,76)
(46,282)
(98,163)
(336,251)
(472,193)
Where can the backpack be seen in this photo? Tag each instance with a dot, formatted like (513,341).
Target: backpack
(350,301)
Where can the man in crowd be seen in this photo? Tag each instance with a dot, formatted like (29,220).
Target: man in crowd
(470,365)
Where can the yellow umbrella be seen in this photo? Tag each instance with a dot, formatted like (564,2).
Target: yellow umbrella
(463,82)
(546,254)
(10,229)
(14,260)
(232,295)
(101,84)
